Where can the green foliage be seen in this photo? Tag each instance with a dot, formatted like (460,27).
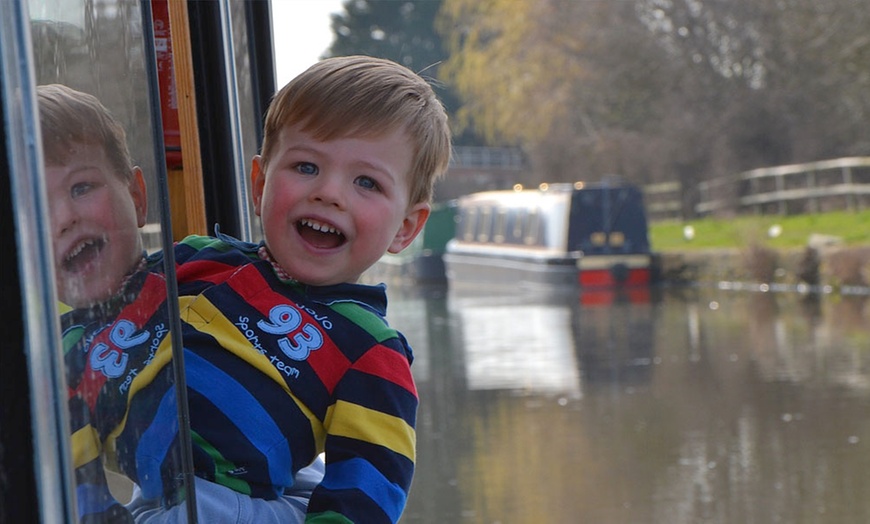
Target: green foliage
(740,232)
(513,73)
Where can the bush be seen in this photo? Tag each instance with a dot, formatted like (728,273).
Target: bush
(760,262)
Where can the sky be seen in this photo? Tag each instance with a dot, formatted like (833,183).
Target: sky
(301,33)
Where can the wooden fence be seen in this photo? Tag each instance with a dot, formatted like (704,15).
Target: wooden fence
(664,201)
(829,185)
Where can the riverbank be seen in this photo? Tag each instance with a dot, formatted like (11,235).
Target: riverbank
(833,268)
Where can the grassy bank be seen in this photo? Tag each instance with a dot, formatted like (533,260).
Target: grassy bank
(737,232)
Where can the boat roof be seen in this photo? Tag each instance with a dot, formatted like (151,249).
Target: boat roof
(523,196)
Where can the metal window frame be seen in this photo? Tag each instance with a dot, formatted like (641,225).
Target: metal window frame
(39,346)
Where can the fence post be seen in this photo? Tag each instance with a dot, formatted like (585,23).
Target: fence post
(779,180)
(847,180)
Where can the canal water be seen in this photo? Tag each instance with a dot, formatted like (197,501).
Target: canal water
(675,406)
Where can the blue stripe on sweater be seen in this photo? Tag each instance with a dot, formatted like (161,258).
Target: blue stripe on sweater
(245,412)
(360,474)
(154,444)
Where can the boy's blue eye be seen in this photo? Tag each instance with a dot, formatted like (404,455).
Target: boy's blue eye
(367,183)
(307,168)
(80,189)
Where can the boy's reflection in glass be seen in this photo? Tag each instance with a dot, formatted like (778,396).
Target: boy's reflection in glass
(97,195)
(97,205)
(113,309)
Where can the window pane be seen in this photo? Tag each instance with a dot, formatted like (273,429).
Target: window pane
(33,447)
(250,117)
(105,217)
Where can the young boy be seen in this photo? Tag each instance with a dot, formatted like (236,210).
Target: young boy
(287,356)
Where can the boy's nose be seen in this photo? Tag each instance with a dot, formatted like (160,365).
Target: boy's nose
(330,191)
(63,215)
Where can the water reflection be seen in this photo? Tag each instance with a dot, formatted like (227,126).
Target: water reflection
(517,345)
(687,406)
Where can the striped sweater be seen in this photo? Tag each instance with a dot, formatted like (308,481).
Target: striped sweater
(277,372)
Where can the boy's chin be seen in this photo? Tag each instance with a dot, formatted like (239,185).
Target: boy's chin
(312,278)
(83,295)
(80,302)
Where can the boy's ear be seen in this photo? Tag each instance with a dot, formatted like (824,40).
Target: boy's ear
(139,195)
(411,227)
(258,182)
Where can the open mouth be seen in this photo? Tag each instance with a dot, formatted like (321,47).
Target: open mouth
(83,254)
(319,234)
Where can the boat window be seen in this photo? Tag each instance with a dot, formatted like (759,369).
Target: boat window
(518,219)
(33,446)
(543,224)
(499,228)
(105,184)
(231,47)
(250,114)
(469,224)
(484,231)
(532,234)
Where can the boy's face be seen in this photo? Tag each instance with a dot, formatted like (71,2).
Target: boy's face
(331,209)
(95,221)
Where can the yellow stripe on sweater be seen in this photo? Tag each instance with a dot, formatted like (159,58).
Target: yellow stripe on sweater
(357,422)
(85,446)
(201,314)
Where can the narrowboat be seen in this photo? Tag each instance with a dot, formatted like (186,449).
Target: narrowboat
(562,236)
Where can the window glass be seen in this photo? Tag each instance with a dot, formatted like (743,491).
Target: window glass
(250,122)
(33,427)
(469,219)
(499,229)
(484,233)
(533,235)
(106,222)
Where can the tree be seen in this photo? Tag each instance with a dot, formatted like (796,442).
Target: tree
(554,77)
(662,89)
(402,31)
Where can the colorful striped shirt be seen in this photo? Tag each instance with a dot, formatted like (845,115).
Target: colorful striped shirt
(277,372)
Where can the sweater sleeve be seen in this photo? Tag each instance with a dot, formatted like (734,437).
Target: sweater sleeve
(371,440)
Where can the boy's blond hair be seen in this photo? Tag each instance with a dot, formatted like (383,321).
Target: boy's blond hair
(69,117)
(361,96)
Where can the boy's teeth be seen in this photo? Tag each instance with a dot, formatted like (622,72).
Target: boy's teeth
(79,248)
(317,226)
(95,243)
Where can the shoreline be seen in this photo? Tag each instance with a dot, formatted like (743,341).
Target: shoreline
(832,269)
